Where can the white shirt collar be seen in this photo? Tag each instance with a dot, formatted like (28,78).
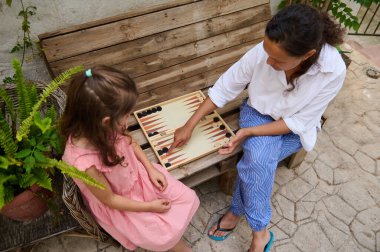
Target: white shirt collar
(324,64)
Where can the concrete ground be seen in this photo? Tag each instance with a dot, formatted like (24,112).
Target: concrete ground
(331,202)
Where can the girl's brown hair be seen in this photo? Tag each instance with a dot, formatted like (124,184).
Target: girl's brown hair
(106,93)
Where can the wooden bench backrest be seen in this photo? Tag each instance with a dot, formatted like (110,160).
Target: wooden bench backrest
(169,49)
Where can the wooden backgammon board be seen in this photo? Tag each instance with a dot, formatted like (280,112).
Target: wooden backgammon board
(159,122)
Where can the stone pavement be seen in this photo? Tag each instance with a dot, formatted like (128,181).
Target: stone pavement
(331,202)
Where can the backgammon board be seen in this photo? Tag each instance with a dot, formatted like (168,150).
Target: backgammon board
(160,121)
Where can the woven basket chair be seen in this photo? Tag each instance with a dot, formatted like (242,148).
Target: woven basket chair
(73,200)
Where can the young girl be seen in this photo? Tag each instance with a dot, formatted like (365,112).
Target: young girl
(142,205)
(292,76)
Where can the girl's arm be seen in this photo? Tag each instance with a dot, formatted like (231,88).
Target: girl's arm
(112,200)
(158,179)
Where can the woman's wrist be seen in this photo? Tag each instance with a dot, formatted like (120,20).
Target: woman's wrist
(247,132)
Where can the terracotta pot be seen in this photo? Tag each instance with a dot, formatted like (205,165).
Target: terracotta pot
(27,205)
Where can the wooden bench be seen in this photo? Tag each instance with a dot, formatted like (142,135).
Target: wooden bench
(169,49)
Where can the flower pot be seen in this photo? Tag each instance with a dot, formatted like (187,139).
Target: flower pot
(28,205)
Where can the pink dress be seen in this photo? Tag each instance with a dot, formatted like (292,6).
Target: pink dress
(152,231)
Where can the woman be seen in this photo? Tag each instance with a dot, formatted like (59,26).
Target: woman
(292,76)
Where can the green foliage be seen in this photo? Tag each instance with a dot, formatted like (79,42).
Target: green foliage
(29,138)
(339,10)
(25,13)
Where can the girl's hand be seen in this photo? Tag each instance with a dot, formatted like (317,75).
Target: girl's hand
(158,179)
(181,137)
(235,142)
(160,205)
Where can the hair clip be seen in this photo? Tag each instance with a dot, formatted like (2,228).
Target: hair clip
(88,73)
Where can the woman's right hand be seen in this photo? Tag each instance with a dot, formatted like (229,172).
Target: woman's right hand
(181,137)
(160,205)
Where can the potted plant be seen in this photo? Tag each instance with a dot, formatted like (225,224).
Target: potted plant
(30,145)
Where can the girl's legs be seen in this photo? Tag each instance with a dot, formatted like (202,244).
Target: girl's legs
(181,246)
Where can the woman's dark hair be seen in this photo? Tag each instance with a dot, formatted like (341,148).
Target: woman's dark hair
(107,93)
(300,28)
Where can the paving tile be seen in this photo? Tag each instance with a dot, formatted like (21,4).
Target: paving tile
(370,218)
(303,210)
(284,175)
(192,234)
(214,202)
(340,209)
(310,237)
(49,245)
(344,172)
(314,195)
(371,150)
(364,236)
(201,219)
(209,187)
(346,144)
(284,207)
(287,247)
(335,236)
(296,189)
(288,227)
(365,162)
(356,195)
(71,243)
(324,172)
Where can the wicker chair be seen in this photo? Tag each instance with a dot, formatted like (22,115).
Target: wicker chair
(72,198)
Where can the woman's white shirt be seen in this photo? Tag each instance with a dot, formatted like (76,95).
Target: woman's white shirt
(301,108)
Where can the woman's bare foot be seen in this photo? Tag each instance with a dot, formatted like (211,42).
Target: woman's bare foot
(181,246)
(259,240)
(229,220)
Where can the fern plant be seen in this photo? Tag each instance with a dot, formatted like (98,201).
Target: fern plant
(29,138)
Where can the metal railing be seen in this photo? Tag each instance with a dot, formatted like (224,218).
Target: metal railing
(369,21)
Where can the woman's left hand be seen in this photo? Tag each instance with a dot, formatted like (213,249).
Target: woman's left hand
(158,179)
(235,142)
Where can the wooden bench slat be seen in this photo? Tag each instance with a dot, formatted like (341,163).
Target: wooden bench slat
(185,86)
(98,37)
(188,52)
(193,67)
(153,7)
(128,51)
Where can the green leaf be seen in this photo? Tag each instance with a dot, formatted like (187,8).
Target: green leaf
(9,3)
(42,178)
(42,124)
(4,162)
(23,153)
(24,128)
(41,147)
(281,5)
(2,189)
(355,26)
(32,141)
(74,172)
(29,163)
(40,157)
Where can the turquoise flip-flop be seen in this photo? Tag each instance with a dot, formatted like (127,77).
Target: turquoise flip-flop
(269,244)
(218,228)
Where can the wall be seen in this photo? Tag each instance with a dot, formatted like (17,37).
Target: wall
(52,15)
